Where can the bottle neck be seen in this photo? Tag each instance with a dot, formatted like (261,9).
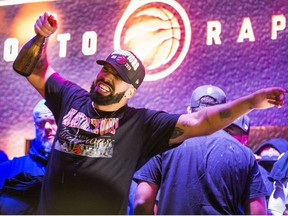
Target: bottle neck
(38,40)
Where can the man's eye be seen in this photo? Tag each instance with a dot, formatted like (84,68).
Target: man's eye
(41,124)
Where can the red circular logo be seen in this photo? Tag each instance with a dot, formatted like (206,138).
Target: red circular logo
(120,59)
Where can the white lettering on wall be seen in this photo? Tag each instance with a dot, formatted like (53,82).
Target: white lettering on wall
(213,32)
(63,38)
(246,31)
(90,38)
(278,24)
(10,49)
(89,43)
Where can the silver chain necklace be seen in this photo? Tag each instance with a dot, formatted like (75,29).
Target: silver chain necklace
(110,116)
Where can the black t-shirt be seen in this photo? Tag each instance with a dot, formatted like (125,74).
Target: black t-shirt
(94,157)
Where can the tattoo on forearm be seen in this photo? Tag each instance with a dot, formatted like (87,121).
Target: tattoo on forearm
(225,113)
(176,133)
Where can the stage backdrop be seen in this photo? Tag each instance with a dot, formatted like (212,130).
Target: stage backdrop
(240,46)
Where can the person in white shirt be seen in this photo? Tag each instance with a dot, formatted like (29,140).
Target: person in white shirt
(279,196)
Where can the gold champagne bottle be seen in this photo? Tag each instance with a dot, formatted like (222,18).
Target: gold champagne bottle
(30,53)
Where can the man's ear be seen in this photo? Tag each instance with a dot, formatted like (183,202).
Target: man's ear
(130,92)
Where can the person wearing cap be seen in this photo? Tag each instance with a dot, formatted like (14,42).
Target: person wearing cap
(21,177)
(101,141)
(212,175)
(268,152)
(240,129)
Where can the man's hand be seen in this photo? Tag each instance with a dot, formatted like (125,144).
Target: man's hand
(46,24)
(268,97)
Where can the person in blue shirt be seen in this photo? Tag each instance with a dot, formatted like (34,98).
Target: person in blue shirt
(278,201)
(3,156)
(213,174)
(21,177)
(268,153)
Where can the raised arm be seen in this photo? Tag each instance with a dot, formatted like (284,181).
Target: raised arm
(42,71)
(211,119)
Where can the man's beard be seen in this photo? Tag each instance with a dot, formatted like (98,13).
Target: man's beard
(46,147)
(100,99)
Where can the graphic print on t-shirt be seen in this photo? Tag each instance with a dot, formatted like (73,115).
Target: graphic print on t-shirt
(86,136)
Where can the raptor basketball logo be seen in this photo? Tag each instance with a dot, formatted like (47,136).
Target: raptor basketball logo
(158,32)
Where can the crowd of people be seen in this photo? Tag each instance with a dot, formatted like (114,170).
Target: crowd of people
(219,175)
(203,170)
(100,142)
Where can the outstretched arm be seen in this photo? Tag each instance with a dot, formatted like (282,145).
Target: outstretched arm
(211,119)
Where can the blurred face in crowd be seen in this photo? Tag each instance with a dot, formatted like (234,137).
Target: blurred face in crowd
(269,151)
(45,128)
(237,133)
